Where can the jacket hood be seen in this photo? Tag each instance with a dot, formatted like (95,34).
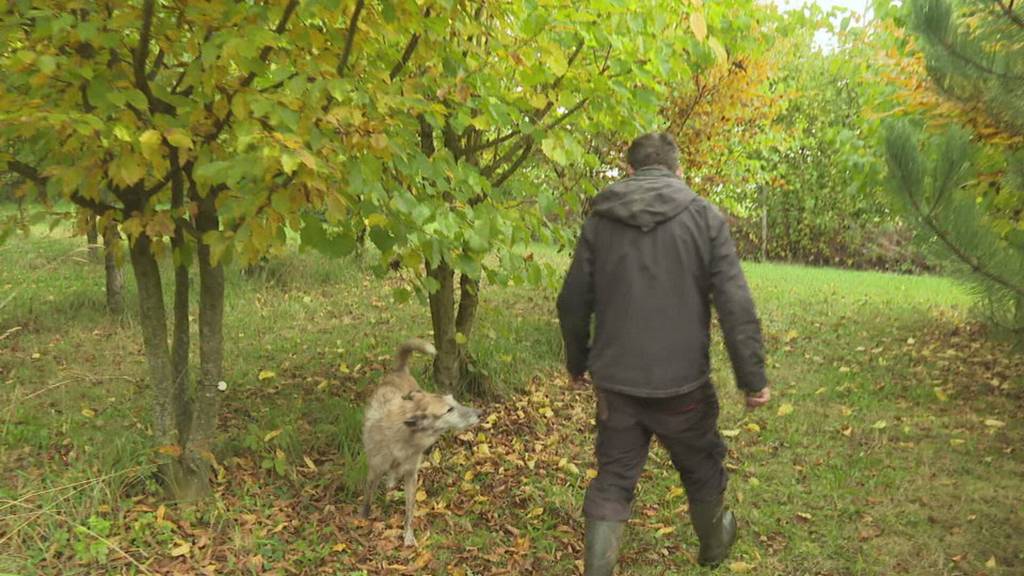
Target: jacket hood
(647,198)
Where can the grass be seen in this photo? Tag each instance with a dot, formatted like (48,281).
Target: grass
(891,446)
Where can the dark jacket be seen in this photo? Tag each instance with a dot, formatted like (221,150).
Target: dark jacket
(651,259)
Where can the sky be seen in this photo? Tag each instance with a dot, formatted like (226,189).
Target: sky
(822,38)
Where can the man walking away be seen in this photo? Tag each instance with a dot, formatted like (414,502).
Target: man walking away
(651,259)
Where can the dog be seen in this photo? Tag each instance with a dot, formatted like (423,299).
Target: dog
(401,423)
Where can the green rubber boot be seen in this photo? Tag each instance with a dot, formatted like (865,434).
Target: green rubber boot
(716,529)
(601,547)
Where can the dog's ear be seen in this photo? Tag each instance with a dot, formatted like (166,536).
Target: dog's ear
(415,422)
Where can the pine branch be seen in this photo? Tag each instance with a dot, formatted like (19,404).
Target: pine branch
(927,218)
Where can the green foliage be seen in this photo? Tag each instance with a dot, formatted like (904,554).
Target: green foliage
(966,196)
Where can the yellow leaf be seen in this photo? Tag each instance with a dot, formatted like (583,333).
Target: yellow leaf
(591,474)
(674,492)
(271,435)
(792,335)
(956,441)
(421,495)
(170,450)
(309,463)
(178,138)
(181,549)
(720,54)
(339,547)
(665,530)
(740,567)
(730,433)
(376,219)
(267,374)
(698,25)
(538,100)
(991,562)
(88,413)
(150,144)
(941,395)
(992,423)
(879,425)
(572,469)
(535,512)
(379,141)
(752,427)
(786,409)
(160,511)
(482,450)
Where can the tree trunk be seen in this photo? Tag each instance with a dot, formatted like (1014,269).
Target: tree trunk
(454,369)
(115,278)
(211,347)
(92,239)
(180,337)
(442,316)
(176,479)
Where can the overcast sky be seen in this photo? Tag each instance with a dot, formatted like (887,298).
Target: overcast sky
(823,39)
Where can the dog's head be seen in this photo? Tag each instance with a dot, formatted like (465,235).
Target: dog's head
(439,413)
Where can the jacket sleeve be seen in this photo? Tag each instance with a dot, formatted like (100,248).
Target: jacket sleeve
(735,306)
(576,304)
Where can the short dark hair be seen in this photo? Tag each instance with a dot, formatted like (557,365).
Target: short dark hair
(653,149)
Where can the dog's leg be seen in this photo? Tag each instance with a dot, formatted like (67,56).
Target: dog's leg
(410,506)
(372,482)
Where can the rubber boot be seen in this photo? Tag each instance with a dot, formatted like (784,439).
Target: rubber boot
(601,547)
(716,530)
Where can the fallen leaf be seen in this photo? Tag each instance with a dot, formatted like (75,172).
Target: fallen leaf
(665,530)
(88,413)
(786,409)
(991,562)
(267,374)
(339,547)
(181,549)
(992,423)
(421,495)
(741,567)
(730,433)
(272,434)
(880,424)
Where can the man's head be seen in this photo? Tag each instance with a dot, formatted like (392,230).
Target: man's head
(653,149)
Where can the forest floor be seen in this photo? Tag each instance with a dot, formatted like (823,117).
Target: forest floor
(892,444)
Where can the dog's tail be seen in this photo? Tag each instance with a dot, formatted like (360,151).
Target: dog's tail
(407,348)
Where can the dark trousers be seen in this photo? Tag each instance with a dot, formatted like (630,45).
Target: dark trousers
(687,425)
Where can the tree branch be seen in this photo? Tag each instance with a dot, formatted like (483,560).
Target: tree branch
(1008,10)
(407,53)
(28,172)
(282,24)
(350,37)
(141,54)
(536,115)
(514,166)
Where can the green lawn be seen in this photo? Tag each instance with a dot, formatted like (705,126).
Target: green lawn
(892,445)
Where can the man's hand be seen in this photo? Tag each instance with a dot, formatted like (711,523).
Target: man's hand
(758,399)
(579,380)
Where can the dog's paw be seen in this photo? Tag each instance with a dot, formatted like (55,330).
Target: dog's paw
(410,540)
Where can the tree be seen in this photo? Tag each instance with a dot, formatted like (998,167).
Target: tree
(200,131)
(966,189)
(494,92)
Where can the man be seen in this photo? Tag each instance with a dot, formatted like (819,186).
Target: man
(651,259)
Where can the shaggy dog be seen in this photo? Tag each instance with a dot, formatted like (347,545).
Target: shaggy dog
(402,422)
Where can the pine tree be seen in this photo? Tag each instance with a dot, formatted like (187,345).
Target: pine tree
(974,51)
